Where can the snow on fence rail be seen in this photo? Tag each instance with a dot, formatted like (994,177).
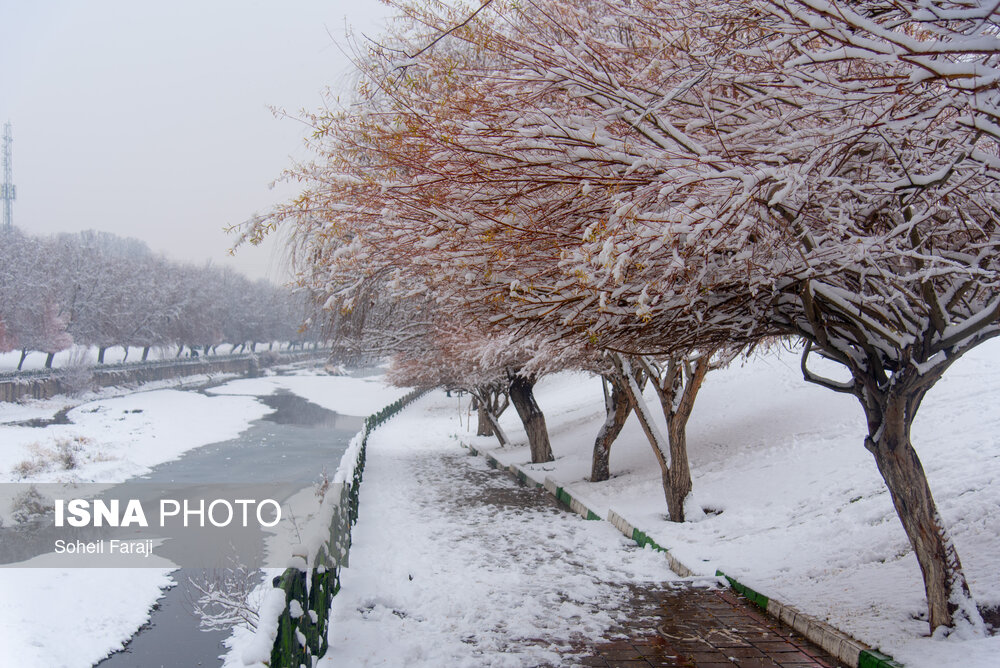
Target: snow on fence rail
(294,616)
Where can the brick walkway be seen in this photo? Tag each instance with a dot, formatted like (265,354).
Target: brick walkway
(684,625)
(674,624)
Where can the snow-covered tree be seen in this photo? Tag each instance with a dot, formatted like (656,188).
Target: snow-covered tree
(447,358)
(676,176)
(31,299)
(107,291)
(837,170)
(844,167)
(109,285)
(896,224)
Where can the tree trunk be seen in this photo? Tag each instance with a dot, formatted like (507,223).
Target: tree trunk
(100,354)
(497,431)
(48,360)
(617,407)
(679,475)
(523,398)
(125,356)
(145,353)
(948,597)
(484,426)
(677,413)
(253,347)
(656,440)
(24,354)
(180,349)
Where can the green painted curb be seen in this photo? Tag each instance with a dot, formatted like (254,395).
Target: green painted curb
(754,597)
(869,658)
(643,540)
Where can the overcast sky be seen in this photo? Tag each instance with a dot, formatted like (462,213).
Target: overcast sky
(152,120)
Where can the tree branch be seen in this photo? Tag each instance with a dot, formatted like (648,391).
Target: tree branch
(836,386)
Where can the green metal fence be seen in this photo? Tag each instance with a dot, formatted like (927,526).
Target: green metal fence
(309,587)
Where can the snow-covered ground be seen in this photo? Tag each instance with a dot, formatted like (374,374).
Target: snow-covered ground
(74,617)
(62,618)
(115,439)
(803,515)
(343,394)
(46,409)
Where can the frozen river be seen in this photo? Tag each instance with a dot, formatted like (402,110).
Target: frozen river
(276,433)
(290,445)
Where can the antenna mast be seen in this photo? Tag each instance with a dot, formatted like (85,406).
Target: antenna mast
(8,191)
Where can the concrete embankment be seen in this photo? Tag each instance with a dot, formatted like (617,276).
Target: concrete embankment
(49,383)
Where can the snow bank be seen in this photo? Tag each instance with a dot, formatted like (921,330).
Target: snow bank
(119,438)
(73,617)
(343,394)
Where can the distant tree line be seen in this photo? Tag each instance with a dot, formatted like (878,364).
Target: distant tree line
(98,289)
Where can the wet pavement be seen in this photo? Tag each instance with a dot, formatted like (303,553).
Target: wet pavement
(685,625)
(680,624)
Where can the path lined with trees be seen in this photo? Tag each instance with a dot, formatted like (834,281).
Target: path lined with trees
(647,189)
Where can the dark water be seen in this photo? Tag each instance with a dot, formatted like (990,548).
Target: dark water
(292,444)
(62,417)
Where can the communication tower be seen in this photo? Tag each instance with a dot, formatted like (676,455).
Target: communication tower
(8,191)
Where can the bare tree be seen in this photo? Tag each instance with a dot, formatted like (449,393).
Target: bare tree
(225,597)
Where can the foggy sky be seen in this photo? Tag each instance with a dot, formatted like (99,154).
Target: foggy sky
(151,119)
